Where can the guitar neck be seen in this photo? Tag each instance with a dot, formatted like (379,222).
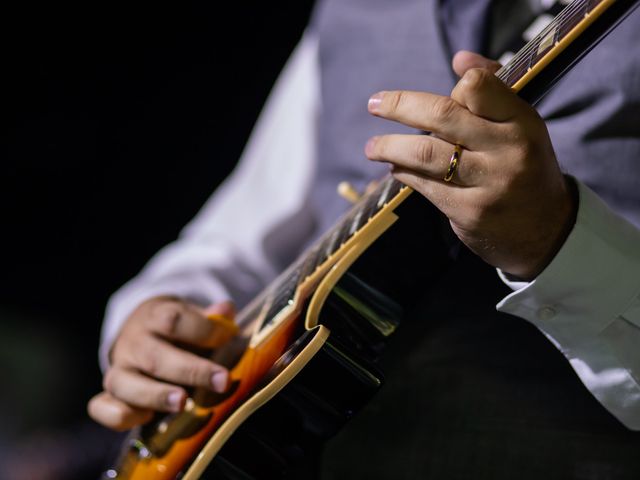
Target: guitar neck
(579,27)
(531,73)
(282,290)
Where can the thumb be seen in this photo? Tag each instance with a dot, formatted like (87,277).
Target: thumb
(464,60)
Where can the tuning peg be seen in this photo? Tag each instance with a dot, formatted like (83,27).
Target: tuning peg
(348,192)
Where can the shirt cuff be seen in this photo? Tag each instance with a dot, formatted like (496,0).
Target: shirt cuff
(582,296)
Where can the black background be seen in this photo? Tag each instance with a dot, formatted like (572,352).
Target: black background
(117,121)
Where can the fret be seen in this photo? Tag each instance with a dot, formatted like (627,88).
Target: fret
(331,244)
(534,44)
(396,187)
(388,183)
(538,26)
(370,208)
(571,17)
(516,74)
(313,259)
(545,39)
(308,264)
(355,223)
(252,310)
(548,38)
(274,309)
(344,228)
(326,246)
(282,292)
(283,295)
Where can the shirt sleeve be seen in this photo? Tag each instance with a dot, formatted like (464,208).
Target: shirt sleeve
(587,303)
(233,246)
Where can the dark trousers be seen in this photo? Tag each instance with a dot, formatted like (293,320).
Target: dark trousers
(475,394)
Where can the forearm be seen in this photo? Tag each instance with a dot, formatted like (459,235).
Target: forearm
(228,251)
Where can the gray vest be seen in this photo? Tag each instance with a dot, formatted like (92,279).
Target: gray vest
(593,114)
(472,393)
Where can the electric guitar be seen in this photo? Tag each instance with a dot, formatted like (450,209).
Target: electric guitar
(302,355)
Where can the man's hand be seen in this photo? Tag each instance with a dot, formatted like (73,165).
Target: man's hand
(508,200)
(149,368)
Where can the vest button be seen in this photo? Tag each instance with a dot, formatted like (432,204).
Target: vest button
(546,313)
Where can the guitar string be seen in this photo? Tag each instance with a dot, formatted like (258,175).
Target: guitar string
(567,13)
(285,284)
(524,56)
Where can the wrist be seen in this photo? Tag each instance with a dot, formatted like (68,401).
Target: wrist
(554,231)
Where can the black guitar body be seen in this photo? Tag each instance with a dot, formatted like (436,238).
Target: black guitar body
(284,438)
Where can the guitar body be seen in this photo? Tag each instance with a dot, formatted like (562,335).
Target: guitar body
(298,377)
(304,360)
(350,316)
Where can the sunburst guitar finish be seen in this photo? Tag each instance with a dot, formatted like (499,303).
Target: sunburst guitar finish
(304,358)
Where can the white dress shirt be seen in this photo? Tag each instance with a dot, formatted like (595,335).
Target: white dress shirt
(586,302)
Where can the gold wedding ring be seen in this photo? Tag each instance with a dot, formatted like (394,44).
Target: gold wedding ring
(453,163)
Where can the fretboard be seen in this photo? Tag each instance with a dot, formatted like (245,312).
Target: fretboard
(281,292)
(561,32)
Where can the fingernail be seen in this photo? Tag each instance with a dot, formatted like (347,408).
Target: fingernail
(174,400)
(219,381)
(368,148)
(375,101)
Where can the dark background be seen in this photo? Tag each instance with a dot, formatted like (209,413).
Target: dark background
(117,121)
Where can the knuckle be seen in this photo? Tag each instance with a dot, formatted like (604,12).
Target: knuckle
(192,374)
(108,382)
(197,373)
(424,186)
(424,151)
(474,79)
(444,108)
(167,318)
(149,362)
(380,148)
(157,399)
(396,100)
(124,348)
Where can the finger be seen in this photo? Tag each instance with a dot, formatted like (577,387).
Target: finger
(139,391)
(159,359)
(484,94)
(433,113)
(465,60)
(181,322)
(425,155)
(115,414)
